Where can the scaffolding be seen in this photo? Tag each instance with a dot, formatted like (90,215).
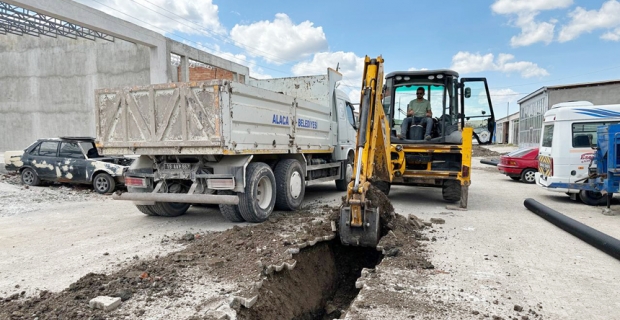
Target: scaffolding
(20,21)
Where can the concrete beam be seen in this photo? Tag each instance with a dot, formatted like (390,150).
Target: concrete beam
(88,17)
(201,56)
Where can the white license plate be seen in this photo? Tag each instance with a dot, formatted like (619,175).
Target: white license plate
(177,166)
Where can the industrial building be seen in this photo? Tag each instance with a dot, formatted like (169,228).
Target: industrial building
(533,106)
(54,54)
(507,129)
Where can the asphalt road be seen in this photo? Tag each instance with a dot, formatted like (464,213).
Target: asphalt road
(496,251)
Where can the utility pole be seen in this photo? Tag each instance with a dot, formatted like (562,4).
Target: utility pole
(507,110)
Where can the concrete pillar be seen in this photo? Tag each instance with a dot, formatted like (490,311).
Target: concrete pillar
(184,69)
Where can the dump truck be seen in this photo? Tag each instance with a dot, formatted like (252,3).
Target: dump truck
(392,149)
(248,147)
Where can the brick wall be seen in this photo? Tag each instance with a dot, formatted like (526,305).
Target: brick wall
(201,73)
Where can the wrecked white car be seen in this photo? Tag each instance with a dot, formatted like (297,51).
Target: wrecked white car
(67,160)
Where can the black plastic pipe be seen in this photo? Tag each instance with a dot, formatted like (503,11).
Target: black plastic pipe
(490,162)
(601,241)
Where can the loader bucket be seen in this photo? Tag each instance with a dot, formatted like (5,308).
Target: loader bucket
(365,236)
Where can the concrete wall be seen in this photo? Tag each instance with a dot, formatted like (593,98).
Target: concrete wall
(597,94)
(47,85)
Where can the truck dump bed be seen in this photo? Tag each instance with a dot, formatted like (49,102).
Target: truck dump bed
(217,117)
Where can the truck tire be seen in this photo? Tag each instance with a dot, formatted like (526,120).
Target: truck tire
(343,184)
(148,210)
(230,211)
(592,198)
(30,177)
(259,198)
(103,183)
(451,191)
(170,209)
(528,176)
(383,186)
(290,185)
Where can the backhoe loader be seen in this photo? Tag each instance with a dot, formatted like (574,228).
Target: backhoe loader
(388,152)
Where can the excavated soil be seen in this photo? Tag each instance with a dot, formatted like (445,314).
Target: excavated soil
(289,267)
(479,151)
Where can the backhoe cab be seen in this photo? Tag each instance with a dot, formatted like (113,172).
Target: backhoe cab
(395,151)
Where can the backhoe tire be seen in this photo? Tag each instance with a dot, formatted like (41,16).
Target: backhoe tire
(383,186)
(290,185)
(451,191)
(592,198)
(343,184)
(148,210)
(230,211)
(259,198)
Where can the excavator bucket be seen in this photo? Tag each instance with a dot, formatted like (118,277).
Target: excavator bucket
(366,235)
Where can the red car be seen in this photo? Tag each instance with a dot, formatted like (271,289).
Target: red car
(521,164)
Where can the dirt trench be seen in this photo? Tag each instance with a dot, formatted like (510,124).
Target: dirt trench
(321,287)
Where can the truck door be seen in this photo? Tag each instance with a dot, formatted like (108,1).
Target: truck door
(477,109)
(346,123)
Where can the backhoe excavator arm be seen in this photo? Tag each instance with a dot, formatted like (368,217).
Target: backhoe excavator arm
(359,216)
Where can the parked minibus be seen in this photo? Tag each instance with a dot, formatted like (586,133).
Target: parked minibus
(567,140)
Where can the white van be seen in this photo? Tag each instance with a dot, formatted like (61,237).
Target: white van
(565,151)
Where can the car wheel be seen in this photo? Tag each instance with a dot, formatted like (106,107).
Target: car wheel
(528,176)
(103,183)
(592,198)
(30,177)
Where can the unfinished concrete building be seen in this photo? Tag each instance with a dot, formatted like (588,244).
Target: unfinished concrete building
(54,54)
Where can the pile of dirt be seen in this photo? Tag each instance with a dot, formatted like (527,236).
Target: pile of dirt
(480,151)
(293,260)
(234,263)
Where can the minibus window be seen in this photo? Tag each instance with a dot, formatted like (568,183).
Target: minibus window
(584,134)
(547,138)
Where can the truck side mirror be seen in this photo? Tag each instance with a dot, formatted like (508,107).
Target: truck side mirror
(468,92)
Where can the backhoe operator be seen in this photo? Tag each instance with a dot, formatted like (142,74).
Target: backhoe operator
(418,112)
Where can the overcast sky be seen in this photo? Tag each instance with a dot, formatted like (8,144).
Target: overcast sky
(519,46)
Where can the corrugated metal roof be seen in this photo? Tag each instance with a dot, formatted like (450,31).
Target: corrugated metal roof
(568,86)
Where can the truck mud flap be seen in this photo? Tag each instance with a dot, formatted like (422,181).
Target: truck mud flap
(365,236)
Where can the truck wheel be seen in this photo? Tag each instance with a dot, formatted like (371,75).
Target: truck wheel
(259,198)
(343,184)
(170,209)
(148,210)
(592,198)
(30,177)
(451,190)
(229,211)
(103,183)
(528,176)
(290,185)
(383,186)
